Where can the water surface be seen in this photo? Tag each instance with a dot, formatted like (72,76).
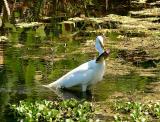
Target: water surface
(30,60)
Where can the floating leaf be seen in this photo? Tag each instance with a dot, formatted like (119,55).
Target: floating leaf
(40,32)
(9,25)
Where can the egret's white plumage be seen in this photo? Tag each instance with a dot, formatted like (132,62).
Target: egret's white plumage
(86,74)
(99,44)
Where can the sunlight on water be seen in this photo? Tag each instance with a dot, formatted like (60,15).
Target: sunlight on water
(30,65)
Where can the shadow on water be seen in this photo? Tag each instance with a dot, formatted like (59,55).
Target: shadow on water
(74,92)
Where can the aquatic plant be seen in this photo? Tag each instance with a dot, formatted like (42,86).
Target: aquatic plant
(136,111)
(44,110)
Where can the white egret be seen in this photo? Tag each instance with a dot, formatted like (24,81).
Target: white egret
(86,74)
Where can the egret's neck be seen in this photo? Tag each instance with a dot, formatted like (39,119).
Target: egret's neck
(100,51)
(99,44)
(100,59)
(99,48)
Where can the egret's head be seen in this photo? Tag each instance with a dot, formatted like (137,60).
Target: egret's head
(103,56)
(99,45)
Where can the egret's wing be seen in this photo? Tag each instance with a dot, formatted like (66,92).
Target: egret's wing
(80,75)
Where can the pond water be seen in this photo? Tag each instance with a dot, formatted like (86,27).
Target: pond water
(31,59)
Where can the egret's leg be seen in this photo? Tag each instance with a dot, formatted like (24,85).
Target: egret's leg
(84,87)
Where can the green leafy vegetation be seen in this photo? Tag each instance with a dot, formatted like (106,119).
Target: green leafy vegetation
(136,111)
(43,110)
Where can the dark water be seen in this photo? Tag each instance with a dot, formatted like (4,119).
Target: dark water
(31,60)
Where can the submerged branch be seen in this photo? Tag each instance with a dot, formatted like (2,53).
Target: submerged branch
(7,7)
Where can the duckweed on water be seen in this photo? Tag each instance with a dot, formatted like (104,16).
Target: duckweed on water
(41,111)
(136,111)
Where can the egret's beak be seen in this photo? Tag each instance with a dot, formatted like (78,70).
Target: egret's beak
(107,52)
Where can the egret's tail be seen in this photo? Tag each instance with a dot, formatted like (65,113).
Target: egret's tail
(52,88)
(51,85)
(47,86)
